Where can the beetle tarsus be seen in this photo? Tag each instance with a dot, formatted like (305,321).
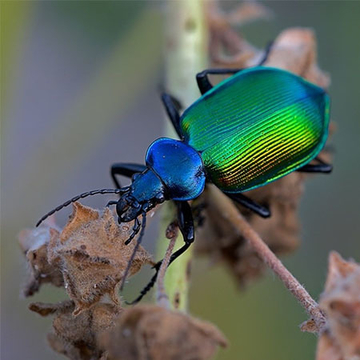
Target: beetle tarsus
(322,168)
(243,200)
(135,230)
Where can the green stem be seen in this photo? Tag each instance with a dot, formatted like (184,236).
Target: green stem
(185,55)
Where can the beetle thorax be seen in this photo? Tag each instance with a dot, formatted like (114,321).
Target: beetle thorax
(178,166)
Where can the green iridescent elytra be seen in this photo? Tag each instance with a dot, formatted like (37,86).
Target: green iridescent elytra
(257,126)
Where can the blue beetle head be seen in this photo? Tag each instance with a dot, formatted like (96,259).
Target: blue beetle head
(145,192)
(174,171)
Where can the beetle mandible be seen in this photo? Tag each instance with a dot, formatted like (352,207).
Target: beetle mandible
(249,130)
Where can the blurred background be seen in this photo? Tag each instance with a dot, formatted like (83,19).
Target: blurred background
(79,91)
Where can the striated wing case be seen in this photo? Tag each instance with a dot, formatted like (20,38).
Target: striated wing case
(256,127)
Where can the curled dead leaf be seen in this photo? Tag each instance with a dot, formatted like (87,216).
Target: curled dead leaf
(75,336)
(295,50)
(227,47)
(93,256)
(151,332)
(341,304)
(249,11)
(34,244)
(309,326)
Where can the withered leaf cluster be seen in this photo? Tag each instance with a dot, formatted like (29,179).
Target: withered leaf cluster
(293,50)
(88,257)
(145,332)
(227,48)
(34,244)
(341,304)
(152,332)
(76,336)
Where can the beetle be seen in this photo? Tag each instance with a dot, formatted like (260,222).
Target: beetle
(251,129)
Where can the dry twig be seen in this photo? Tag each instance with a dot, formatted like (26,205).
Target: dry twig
(227,209)
(162,299)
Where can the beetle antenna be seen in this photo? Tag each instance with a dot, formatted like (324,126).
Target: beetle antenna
(81,196)
(136,247)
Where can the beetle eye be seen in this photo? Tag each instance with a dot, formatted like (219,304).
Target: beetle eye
(160,197)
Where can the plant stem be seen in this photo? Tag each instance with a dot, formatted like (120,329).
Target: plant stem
(228,210)
(161,297)
(185,55)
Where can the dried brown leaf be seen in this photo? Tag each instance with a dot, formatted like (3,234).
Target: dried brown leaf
(34,243)
(61,347)
(149,332)
(309,326)
(44,309)
(227,47)
(93,255)
(248,11)
(341,304)
(89,256)
(327,350)
(75,336)
(295,50)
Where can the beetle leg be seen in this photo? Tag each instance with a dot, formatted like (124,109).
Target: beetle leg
(127,170)
(250,204)
(202,78)
(172,107)
(323,167)
(266,54)
(203,81)
(186,226)
(135,230)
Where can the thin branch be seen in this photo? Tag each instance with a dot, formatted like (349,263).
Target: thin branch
(161,298)
(227,208)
